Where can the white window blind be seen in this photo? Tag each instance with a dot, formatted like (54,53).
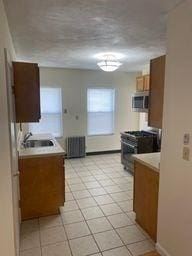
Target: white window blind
(100,111)
(51,113)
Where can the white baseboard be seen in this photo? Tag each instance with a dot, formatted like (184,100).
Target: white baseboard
(161,250)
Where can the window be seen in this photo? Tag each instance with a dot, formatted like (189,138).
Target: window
(51,113)
(100,111)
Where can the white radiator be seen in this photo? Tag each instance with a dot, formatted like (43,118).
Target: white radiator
(75,146)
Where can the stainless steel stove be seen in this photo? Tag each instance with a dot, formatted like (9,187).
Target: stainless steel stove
(137,142)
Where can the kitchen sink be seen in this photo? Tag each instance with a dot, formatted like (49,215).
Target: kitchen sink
(38,143)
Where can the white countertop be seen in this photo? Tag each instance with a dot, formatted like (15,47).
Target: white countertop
(151,160)
(41,151)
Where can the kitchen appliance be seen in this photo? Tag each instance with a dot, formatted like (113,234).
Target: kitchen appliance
(137,142)
(140,101)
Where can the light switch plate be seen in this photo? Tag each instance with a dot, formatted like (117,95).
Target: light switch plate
(186,153)
(186,138)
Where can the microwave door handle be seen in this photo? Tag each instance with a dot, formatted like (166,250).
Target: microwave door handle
(144,97)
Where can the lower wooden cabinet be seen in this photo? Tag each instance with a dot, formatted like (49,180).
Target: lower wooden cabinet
(42,186)
(146,188)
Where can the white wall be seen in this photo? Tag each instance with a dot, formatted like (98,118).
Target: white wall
(175,197)
(74,84)
(6,206)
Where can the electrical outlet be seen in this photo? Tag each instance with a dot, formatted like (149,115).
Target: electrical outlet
(186,138)
(186,153)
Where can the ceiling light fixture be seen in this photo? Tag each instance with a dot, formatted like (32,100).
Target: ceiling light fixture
(109,63)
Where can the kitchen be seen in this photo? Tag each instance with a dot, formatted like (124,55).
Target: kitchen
(94,183)
(89,179)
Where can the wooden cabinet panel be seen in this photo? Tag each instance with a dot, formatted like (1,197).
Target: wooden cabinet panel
(140,83)
(27,92)
(42,186)
(156,93)
(146,82)
(146,187)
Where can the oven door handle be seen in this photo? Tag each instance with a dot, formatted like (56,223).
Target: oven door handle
(127,144)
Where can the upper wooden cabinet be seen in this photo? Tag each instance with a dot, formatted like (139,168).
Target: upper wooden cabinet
(142,83)
(27,92)
(156,93)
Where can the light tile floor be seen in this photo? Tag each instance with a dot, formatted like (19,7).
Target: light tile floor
(97,218)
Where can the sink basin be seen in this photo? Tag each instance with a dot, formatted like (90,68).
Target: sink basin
(38,143)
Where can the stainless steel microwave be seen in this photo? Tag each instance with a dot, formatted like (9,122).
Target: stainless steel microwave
(140,101)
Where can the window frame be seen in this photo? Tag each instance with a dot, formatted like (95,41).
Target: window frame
(61,113)
(114,111)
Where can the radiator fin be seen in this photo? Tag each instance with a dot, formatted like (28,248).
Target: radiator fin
(75,146)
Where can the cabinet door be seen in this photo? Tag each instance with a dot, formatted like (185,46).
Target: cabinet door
(27,92)
(140,83)
(146,82)
(146,187)
(42,186)
(157,78)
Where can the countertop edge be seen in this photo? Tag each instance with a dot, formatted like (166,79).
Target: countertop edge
(48,151)
(146,162)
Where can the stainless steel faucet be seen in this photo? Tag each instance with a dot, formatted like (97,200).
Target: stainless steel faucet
(26,137)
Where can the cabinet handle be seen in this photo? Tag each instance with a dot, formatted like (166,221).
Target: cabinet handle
(16,174)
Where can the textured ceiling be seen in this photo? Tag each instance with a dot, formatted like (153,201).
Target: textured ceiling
(68,33)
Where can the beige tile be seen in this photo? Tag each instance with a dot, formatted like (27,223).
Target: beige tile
(29,240)
(93,168)
(99,225)
(59,249)
(107,240)
(71,175)
(88,179)
(31,252)
(73,181)
(77,187)
(130,234)
(50,221)
(130,194)
(72,217)
(126,206)
(126,187)
(67,189)
(81,194)
(69,206)
(97,191)
(101,177)
(29,226)
(110,209)
(91,213)
(120,196)
(52,235)
(69,196)
(131,215)
(84,174)
(97,172)
(123,180)
(83,246)
(108,182)
(119,220)
(121,251)
(141,248)
(112,189)
(76,230)
(86,202)
(92,184)
(103,199)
